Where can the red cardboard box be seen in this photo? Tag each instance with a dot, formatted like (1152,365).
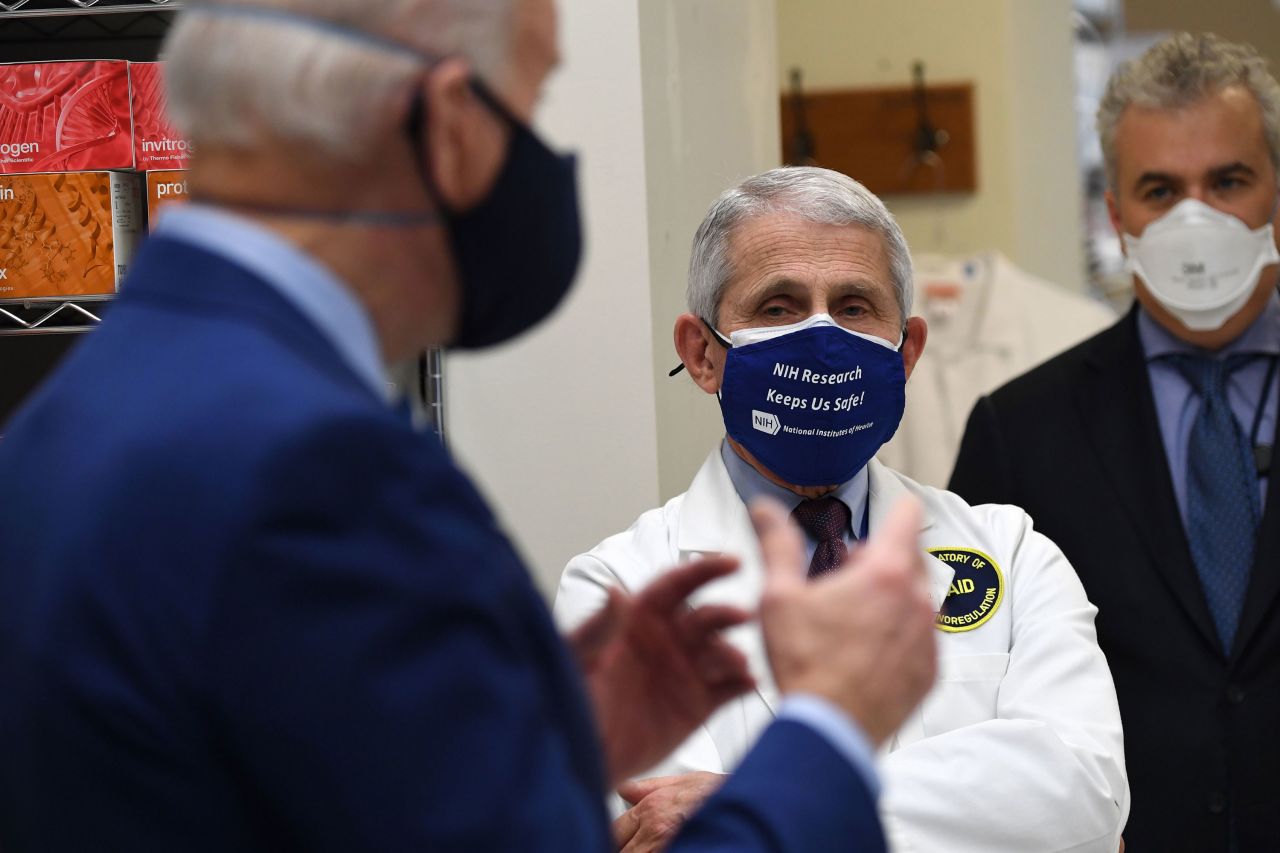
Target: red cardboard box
(65,117)
(164,189)
(67,234)
(157,145)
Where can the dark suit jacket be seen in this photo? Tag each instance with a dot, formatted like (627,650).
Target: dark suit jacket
(1076,443)
(244,607)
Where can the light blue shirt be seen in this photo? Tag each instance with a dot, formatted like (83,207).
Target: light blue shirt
(819,714)
(751,484)
(301,280)
(1177,404)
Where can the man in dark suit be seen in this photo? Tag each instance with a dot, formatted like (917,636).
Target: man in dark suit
(246,606)
(1145,451)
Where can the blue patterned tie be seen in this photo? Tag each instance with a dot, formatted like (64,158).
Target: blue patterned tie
(1222,493)
(825,520)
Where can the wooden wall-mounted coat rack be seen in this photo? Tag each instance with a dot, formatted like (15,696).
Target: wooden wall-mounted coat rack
(896,140)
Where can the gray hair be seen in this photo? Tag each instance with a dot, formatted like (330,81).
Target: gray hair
(231,78)
(1180,71)
(808,193)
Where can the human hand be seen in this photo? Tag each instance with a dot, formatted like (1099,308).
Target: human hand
(659,807)
(861,637)
(656,669)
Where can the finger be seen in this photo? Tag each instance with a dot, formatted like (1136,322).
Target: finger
(781,543)
(673,587)
(897,540)
(626,826)
(592,635)
(699,625)
(635,790)
(731,689)
(720,662)
(647,840)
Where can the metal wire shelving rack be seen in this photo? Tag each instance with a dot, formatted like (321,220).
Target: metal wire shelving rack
(42,30)
(45,30)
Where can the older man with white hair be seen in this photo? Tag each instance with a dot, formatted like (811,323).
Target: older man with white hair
(799,292)
(246,606)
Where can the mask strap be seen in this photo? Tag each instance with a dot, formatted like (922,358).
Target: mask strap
(719,339)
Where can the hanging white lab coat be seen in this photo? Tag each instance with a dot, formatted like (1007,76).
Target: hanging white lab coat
(1001,323)
(1018,746)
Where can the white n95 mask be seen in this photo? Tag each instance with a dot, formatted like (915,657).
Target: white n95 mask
(1200,263)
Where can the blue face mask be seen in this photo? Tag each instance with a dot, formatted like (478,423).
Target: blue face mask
(812,401)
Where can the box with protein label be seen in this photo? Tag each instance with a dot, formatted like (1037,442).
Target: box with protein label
(68,234)
(65,117)
(163,189)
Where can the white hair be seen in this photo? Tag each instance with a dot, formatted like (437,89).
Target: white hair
(808,193)
(232,77)
(1180,71)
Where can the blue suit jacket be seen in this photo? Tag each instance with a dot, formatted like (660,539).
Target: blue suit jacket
(244,607)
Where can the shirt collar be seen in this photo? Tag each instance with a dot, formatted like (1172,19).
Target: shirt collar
(1262,336)
(303,281)
(751,484)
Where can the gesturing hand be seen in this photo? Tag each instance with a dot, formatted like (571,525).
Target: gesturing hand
(861,637)
(659,807)
(655,669)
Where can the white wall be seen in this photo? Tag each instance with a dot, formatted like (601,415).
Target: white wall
(559,427)
(562,429)
(711,119)
(576,429)
(1018,55)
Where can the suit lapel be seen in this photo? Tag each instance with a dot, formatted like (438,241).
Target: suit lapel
(714,520)
(885,488)
(1118,415)
(1264,580)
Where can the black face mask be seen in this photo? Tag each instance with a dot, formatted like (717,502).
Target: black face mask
(518,250)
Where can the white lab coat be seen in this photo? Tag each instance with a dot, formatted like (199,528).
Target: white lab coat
(1017,748)
(1003,323)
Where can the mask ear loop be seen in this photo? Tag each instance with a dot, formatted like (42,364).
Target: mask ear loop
(719,339)
(415,125)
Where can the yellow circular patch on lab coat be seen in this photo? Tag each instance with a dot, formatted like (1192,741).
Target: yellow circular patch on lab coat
(976,590)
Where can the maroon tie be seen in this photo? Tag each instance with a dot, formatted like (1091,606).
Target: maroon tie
(826,520)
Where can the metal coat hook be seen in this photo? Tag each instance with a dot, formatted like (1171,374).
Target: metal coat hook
(803,151)
(928,138)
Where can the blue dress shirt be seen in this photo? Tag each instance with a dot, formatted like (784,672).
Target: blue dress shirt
(1177,404)
(303,281)
(824,716)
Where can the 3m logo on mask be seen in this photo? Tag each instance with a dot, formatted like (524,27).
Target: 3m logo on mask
(766,422)
(1193,268)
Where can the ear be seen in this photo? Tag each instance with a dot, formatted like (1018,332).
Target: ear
(913,346)
(702,354)
(1113,213)
(466,144)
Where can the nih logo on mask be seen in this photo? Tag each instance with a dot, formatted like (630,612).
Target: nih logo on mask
(765,421)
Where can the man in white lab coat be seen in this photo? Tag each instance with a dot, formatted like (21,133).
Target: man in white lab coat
(799,291)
